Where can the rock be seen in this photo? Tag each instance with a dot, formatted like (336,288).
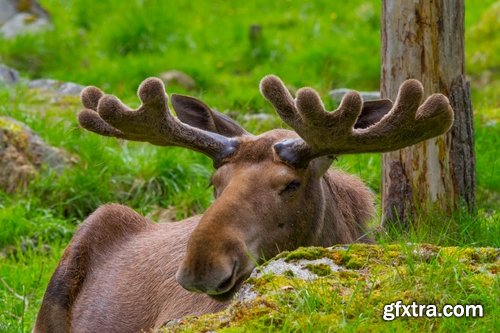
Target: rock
(23,153)
(178,77)
(258,117)
(23,23)
(8,75)
(298,268)
(22,16)
(63,88)
(7,10)
(301,269)
(330,289)
(70,88)
(11,76)
(337,94)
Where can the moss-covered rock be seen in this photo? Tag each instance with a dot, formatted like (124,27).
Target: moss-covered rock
(345,288)
(23,153)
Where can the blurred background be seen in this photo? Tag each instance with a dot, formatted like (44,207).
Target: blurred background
(217,51)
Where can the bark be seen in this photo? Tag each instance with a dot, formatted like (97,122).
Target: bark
(425,40)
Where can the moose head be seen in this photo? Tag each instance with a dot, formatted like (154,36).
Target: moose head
(270,189)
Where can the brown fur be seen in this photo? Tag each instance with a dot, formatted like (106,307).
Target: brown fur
(123,273)
(118,272)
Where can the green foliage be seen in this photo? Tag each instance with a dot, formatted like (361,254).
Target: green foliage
(94,43)
(462,229)
(24,274)
(483,56)
(24,222)
(116,44)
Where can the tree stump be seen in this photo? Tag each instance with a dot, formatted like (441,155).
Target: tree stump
(425,40)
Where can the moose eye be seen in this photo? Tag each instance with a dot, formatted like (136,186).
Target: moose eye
(291,187)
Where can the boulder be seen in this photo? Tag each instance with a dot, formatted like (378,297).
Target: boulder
(59,87)
(23,154)
(347,288)
(8,9)
(11,76)
(8,75)
(177,77)
(22,16)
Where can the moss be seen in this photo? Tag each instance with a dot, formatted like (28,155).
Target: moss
(272,283)
(15,133)
(357,256)
(308,253)
(9,125)
(240,312)
(355,298)
(320,269)
(30,18)
(23,5)
(473,255)
(337,257)
(346,275)
(493,268)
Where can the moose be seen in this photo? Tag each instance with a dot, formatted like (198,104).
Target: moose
(273,192)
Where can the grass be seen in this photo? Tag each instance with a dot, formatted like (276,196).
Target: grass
(115,44)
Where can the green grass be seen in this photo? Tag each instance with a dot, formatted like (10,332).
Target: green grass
(116,44)
(24,273)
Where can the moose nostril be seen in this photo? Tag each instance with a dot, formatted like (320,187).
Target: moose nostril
(226,284)
(187,283)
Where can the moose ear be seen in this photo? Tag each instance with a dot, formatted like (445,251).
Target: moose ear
(194,112)
(320,165)
(372,112)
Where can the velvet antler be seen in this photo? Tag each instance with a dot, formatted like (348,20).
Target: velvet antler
(151,122)
(333,133)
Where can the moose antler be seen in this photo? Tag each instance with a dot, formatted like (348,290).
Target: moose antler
(151,122)
(333,133)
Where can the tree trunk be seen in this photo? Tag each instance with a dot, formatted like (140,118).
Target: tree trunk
(425,40)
